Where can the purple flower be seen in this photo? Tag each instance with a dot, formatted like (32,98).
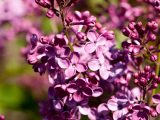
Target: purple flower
(146,78)
(102,65)
(156,100)
(8,10)
(79,89)
(73,65)
(120,103)
(119,14)
(119,106)
(100,113)
(95,41)
(155,4)
(141,112)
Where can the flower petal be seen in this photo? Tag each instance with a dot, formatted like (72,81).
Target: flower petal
(92,35)
(74,57)
(80,82)
(101,41)
(156,98)
(78,96)
(84,110)
(103,108)
(66,115)
(97,92)
(104,73)
(70,72)
(136,93)
(94,65)
(158,108)
(80,68)
(58,105)
(87,91)
(93,114)
(90,47)
(72,88)
(119,114)
(112,104)
(63,63)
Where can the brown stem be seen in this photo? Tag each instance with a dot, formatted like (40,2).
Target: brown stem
(64,27)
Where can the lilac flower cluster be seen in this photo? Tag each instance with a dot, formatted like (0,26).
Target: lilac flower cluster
(118,15)
(52,4)
(147,79)
(140,41)
(89,75)
(154,3)
(15,20)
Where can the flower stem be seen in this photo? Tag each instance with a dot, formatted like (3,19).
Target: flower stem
(65,28)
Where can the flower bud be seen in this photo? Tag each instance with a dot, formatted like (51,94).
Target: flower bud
(147,68)
(151,36)
(126,31)
(153,58)
(86,14)
(34,40)
(81,36)
(153,113)
(136,75)
(50,13)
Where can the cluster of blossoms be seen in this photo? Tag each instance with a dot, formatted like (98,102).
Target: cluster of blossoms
(118,15)
(154,3)
(15,20)
(13,16)
(89,75)
(140,40)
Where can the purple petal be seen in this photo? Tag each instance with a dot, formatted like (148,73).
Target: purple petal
(93,114)
(80,82)
(72,88)
(136,107)
(101,41)
(78,96)
(139,116)
(75,57)
(87,91)
(90,47)
(103,108)
(60,90)
(92,35)
(51,79)
(119,114)
(70,102)
(70,72)
(100,52)
(51,92)
(58,105)
(94,65)
(156,98)
(104,73)
(97,92)
(112,104)
(80,68)
(134,48)
(66,115)
(136,93)
(158,108)
(84,110)
(63,63)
